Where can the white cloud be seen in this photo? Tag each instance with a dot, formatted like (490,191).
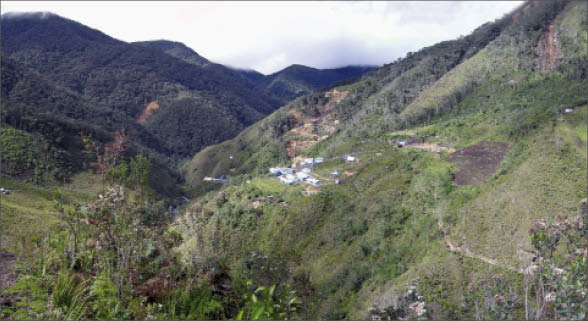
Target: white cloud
(268,36)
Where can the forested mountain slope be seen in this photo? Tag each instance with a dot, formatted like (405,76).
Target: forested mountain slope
(176,49)
(449,226)
(185,106)
(298,80)
(54,117)
(284,85)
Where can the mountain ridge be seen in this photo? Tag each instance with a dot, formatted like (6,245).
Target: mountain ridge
(286,84)
(129,76)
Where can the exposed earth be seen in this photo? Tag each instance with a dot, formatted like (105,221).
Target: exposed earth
(477,162)
(7,277)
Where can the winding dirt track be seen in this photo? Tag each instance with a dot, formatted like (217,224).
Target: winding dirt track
(468,253)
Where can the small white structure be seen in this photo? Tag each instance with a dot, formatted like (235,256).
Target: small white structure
(280,171)
(207,178)
(308,161)
(568,110)
(288,179)
(230,156)
(402,143)
(335,173)
(306,170)
(319,160)
(313,181)
(349,158)
(286,170)
(302,175)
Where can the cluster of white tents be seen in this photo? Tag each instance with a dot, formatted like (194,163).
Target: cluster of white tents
(312,161)
(290,176)
(290,179)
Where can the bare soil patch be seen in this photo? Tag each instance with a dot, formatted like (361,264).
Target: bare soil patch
(548,49)
(312,128)
(8,277)
(477,162)
(349,173)
(147,111)
(311,190)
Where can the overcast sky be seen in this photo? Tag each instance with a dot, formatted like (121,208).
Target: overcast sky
(269,36)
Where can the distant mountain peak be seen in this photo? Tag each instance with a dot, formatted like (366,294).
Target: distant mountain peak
(48,29)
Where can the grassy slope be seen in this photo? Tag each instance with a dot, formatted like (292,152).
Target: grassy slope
(28,212)
(355,265)
(373,104)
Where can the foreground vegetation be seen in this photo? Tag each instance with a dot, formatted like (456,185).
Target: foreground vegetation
(110,255)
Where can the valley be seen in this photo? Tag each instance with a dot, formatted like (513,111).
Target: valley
(448,184)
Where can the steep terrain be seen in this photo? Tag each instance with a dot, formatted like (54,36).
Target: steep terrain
(298,80)
(252,75)
(509,103)
(284,85)
(199,105)
(50,119)
(371,104)
(452,184)
(178,50)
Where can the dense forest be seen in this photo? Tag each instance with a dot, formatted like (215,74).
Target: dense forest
(451,182)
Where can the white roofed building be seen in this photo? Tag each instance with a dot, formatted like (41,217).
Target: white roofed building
(288,179)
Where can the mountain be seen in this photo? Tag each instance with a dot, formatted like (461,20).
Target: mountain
(176,49)
(299,80)
(252,75)
(284,85)
(449,226)
(449,184)
(54,117)
(186,106)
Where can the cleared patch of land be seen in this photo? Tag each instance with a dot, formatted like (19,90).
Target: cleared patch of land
(477,162)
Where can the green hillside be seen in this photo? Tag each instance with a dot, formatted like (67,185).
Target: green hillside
(137,82)
(284,85)
(488,108)
(178,50)
(52,118)
(452,187)
(371,104)
(297,80)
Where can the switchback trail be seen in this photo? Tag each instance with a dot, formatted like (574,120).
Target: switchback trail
(467,253)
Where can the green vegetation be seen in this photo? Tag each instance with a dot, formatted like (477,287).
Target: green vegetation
(297,80)
(115,81)
(113,258)
(395,237)
(17,155)
(390,224)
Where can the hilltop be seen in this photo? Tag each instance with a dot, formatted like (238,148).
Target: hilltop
(298,80)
